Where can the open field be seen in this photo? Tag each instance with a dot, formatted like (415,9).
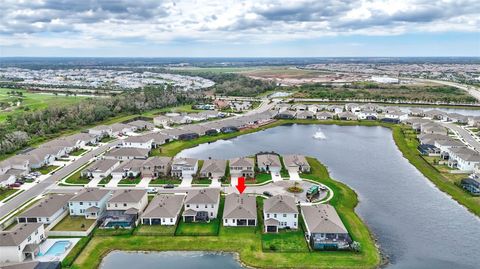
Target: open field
(383,92)
(248,241)
(33,101)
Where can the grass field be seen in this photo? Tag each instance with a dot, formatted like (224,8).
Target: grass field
(34,101)
(74,223)
(46,169)
(156,230)
(4,194)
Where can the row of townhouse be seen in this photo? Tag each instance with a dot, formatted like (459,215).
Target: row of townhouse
(20,165)
(170,119)
(120,129)
(133,162)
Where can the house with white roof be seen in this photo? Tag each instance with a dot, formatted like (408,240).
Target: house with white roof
(139,141)
(100,168)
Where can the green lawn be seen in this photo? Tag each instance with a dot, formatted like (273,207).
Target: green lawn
(285,241)
(76,177)
(132,181)
(78,152)
(34,101)
(198,228)
(74,223)
(162,181)
(105,180)
(260,178)
(5,193)
(156,230)
(201,181)
(46,169)
(107,139)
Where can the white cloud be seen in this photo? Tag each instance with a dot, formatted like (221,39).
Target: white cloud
(51,23)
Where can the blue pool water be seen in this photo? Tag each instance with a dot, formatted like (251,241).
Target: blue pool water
(124,224)
(57,249)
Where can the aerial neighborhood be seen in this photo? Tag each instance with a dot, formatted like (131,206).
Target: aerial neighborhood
(122,180)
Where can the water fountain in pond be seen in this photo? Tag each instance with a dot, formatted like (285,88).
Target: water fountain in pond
(319,134)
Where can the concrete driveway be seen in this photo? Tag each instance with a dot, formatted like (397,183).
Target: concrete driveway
(293,174)
(276,176)
(186,181)
(144,182)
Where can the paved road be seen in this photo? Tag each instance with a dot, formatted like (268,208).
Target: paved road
(466,136)
(51,181)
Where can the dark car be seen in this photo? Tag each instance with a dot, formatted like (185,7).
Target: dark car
(169,186)
(267,193)
(15,185)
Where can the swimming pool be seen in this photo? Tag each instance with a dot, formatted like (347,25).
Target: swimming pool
(57,249)
(113,223)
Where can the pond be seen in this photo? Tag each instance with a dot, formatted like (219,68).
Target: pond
(169,260)
(417,225)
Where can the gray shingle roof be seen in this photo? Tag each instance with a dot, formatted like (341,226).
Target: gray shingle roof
(241,206)
(203,196)
(280,204)
(164,206)
(128,196)
(90,195)
(242,162)
(295,160)
(101,165)
(214,166)
(322,218)
(18,234)
(268,159)
(47,206)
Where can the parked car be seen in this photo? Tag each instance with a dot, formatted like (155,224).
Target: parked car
(15,185)
(169,186)
(19,182)
(267,193)
(152,190)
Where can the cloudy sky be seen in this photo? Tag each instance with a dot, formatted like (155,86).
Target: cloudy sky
(230,28)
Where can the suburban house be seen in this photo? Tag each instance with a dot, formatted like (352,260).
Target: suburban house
(305,115)
(164,209)
(213,168)
(154,167)
(201,205)
(240,210)
(139,141)
(50,209)
(463,158)
(182,167)
(287,114)
(324,228)
(396,115)
(242,167)
(100,168)
(337,109)
(127,154)
(347,116)
(141,125)
(429,139)
(7,179)
(12,168)
(89,202)
(21,242)
(296,163)
(269,163)
(367,114)
(119,129)
(125,207)
(444,145)
(279,212)
(324,115)
(433,128)
(162,120)
(128,169)
(101,130)
(158,139)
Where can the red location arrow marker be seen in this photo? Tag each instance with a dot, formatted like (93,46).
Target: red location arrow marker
(241,185)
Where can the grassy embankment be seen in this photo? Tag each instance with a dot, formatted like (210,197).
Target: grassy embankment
(248,241)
